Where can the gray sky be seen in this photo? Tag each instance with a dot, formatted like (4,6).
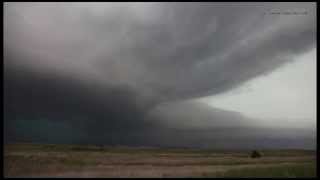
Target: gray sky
(132,67)
(181,50)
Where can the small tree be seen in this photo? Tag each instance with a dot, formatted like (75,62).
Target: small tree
(255,154)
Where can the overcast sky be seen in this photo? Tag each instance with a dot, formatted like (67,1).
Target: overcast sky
(103,68)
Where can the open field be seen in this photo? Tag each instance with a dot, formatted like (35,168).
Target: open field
(40,160)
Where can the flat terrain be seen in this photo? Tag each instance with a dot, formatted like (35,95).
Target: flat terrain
(40,160)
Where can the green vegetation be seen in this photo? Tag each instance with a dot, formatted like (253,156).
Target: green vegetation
(283,171)
(121,149)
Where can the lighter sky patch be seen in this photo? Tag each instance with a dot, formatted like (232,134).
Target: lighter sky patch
(288,94)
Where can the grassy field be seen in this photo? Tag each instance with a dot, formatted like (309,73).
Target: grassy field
(45,160)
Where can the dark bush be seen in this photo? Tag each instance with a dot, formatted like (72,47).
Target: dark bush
(255,154)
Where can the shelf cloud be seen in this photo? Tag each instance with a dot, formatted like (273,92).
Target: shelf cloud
(103,66)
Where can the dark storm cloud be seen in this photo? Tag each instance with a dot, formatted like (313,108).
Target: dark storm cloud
(103,66)
(183,50)
(29,97)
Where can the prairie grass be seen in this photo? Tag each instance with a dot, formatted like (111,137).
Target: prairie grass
(304,170)
(48,160)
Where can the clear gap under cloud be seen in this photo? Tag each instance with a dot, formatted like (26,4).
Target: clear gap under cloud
(287,95)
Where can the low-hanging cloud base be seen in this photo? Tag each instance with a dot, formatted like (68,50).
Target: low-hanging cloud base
(115,74)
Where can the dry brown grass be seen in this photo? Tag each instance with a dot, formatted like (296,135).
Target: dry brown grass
(52,161)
